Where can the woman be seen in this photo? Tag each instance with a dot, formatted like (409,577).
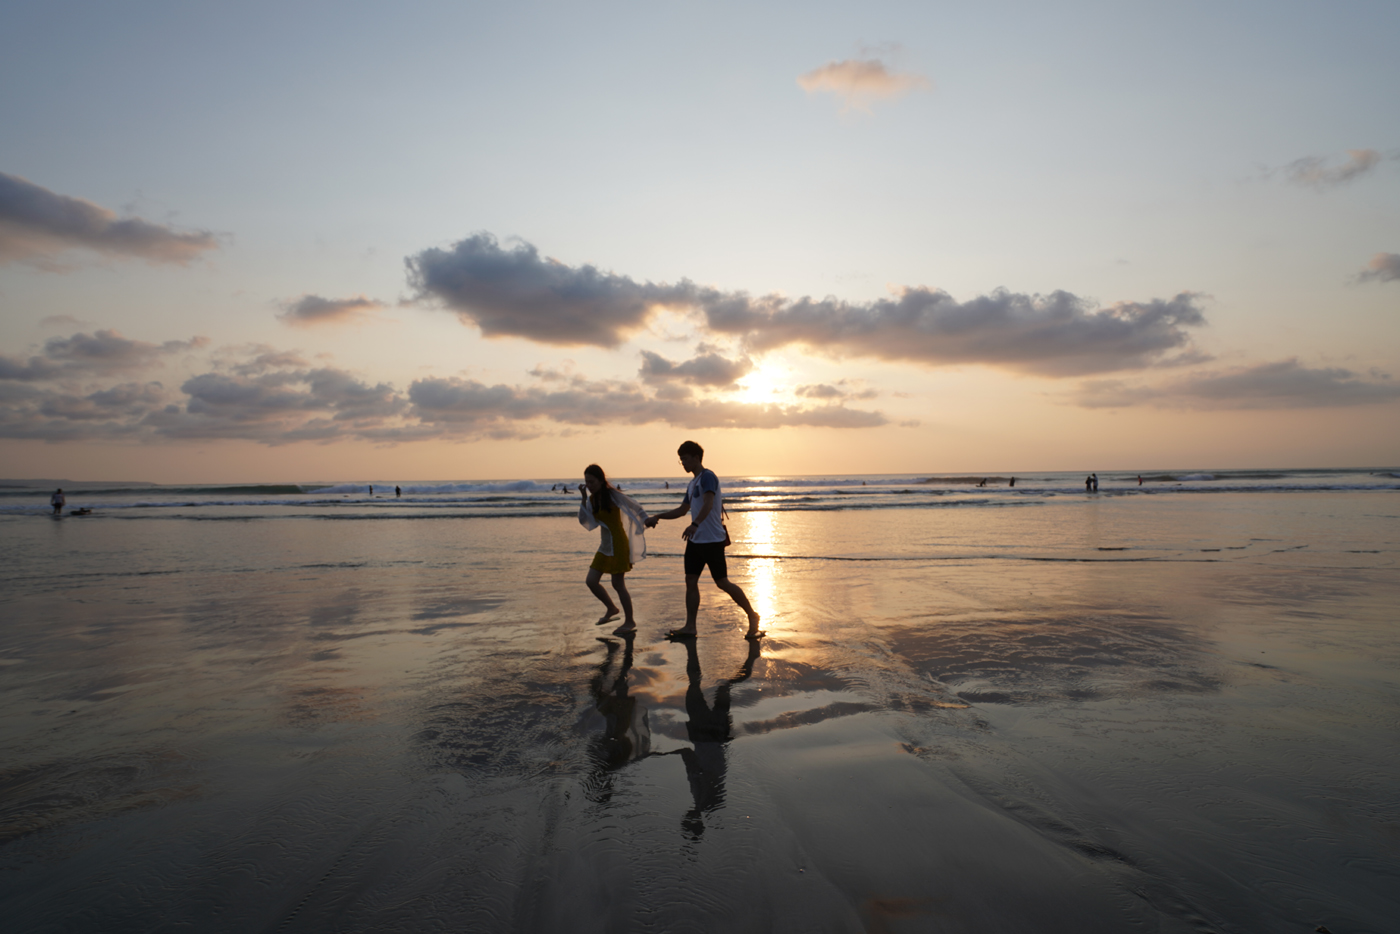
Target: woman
(623,523)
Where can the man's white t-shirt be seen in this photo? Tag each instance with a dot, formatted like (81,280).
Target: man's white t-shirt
(712,529)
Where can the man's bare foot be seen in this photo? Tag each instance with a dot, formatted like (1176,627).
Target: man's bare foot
(626,629)
(754,632)
(610,614)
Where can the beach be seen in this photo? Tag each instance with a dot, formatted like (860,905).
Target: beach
(1170,708)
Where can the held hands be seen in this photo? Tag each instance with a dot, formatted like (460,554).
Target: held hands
(652,520)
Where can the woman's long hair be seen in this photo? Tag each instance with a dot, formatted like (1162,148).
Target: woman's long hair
(602,500)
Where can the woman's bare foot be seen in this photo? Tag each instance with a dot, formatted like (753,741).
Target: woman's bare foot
(610,614)
(754,632)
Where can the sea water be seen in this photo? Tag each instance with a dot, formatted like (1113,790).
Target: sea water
(1168,707)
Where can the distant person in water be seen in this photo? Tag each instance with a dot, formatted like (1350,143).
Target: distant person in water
(57,500)
(1089,484)
(705,540)
(1013,482)
(1139,479)
(622,522)
(1095,478)
(371,489)
(397,492)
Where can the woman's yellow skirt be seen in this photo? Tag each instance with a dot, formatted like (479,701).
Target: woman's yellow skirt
(610,564)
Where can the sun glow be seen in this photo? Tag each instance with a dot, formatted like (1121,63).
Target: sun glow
(763,385)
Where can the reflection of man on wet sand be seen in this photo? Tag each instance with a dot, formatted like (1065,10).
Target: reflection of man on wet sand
(710,729)
(627,736)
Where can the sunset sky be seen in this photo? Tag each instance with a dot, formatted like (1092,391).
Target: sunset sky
(331,241)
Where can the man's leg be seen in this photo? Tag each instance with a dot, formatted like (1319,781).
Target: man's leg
(692,601)
(737,594)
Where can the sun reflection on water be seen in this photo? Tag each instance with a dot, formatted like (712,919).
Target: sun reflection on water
(762,538)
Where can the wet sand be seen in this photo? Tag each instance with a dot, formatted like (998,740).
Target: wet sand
(301,725)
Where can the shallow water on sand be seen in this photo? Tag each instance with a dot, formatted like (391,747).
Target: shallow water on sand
(1137,715)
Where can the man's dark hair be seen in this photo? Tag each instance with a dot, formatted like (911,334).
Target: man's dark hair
(690,447)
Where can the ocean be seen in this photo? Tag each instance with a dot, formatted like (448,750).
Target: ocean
(1167,707)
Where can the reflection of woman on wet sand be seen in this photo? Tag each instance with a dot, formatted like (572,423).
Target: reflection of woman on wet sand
(627,736)
(710,729)
(623,523)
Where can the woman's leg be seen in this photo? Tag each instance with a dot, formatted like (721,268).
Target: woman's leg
(594,577)
(619,583)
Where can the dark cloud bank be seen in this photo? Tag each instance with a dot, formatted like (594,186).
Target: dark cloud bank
(100,387)
(516,292)
(36,225)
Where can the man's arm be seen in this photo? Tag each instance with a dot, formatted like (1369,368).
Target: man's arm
(705,508)
(676,513)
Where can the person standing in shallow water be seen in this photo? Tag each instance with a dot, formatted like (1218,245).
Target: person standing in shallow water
(613,511)
(57,500)
(705,540)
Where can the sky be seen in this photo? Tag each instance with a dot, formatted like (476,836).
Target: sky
(282,242)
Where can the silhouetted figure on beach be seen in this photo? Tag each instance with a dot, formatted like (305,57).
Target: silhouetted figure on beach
(397,492)
(57,500)
(705,541)
(622,522)
(709,729)
(627,735)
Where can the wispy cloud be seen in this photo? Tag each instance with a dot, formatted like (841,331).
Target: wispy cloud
(98,354)
(860,83)
(1323,172)
(37,225)
(518,293)
(1284,384)
(258,393)
(313,309)
(1383,267)
(708,369)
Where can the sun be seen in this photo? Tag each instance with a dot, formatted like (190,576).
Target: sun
(761,384)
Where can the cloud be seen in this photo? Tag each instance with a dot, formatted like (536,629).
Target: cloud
(1383,267)
(313,309)
(830,392)
(1314,171)
(518,293)
(483,408)
(97,354)
(1055,335)
(37,224)
(709,369)
(1284,384)
(860,83)
(258,393)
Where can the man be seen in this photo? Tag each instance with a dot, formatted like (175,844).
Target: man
(705,541)
(57,501)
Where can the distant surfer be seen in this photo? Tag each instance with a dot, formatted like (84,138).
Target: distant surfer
(57,500)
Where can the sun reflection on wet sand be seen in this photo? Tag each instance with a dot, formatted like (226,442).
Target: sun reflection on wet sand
(764,575)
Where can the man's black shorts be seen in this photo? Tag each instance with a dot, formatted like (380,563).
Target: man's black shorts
(699,554)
